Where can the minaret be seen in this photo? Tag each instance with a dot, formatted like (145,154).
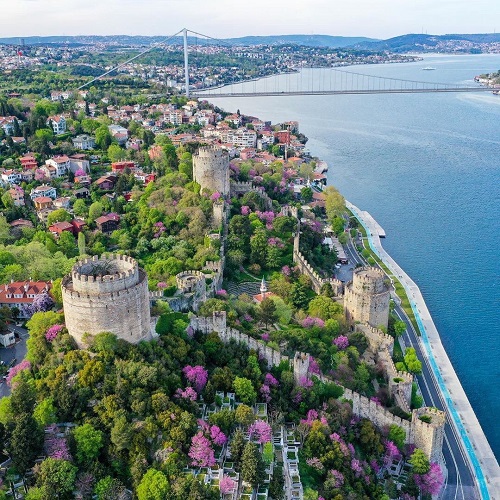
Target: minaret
(263,288)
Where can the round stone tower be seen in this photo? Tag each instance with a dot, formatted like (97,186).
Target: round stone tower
(107,294)
(367,296)
(211,169)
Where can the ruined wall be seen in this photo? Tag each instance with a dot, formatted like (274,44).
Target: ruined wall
(211,169)
(366,297)
(117,302)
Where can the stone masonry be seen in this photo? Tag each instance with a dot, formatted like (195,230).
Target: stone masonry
(427,436)
(366,297)
(211,169)
(107,294)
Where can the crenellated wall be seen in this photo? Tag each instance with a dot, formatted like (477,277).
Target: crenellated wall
(246,187)
(427,436)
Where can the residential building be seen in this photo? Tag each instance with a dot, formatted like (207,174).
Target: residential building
(21,294)
(11,176)
(63,202)
(28,162)
(81,193)
(60,227)
(17,195)
(106,182)
(7,123)
(120,166)
(43,203)
(58,124)
(108,223)
(60,163)
(84,142)
(43,190)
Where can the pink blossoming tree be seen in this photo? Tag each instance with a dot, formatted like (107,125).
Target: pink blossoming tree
(197,376)
(201,451)
(261,431)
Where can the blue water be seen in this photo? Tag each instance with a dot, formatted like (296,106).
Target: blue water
(427,167)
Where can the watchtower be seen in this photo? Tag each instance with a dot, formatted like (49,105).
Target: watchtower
(211,169)
(107,294)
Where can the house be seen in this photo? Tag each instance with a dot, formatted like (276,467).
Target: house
(119,133)
(63,202)
(78,225)
(78,162)
(108,223)
(11,176)
(20,223)
(21,294)
(17,195)
(247,153)
(27,175)
(120,166)
(43,190)
(83,180)
(84,142)
(60,163)
(134,144)
(144,177)
(43,203)
(59,227)
(81,193)
(106,182)
(49,171)
(58,123)
(7,123)
(28,162)
(283,136)
(7,339)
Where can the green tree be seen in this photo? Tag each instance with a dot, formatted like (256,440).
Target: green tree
(59,215)
(325,308)
(116,153)
(80,208)
(244,390)
(412,362)
(306,194)
(103,137)
(109,488)
(121,434)
(258,247)
(153,486)
(56,478)
(361,378)
(420,462)
(267,311)
(397,435)
(252,466)
(66,243)
(45,412)
(95,210)
(334,202)
(89,442)
(26,442)
(399,328)
(244,415)
(81,244)
(237,446)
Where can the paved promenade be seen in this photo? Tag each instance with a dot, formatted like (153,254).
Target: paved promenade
(461,416)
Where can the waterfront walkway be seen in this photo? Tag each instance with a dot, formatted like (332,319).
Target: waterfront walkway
(461,416)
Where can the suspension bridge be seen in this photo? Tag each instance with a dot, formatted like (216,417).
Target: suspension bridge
(296,81)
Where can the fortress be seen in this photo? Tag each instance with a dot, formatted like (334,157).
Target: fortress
(211,169)
(366,297)
(107,294)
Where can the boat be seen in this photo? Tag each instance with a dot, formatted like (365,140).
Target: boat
(428,68)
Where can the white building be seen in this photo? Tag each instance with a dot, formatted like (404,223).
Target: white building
(58,124)
(84,142)
(43,190)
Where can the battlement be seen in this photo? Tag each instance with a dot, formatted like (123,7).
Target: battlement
(317,280)
(211,169)
(109,293)
(438,417)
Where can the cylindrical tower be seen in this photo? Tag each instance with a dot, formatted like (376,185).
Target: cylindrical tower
(107,294)
(211,169)
(367,296)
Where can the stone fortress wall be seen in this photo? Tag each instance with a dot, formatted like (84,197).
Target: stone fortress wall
(211,169)
(427,436)
(367,296)
(107,294)
(238,188)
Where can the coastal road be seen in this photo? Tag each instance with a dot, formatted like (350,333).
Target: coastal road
(460,484)
(8,354)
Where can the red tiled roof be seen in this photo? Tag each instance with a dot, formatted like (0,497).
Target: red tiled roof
(23,288)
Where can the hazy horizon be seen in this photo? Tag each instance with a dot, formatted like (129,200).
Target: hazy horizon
(220,18)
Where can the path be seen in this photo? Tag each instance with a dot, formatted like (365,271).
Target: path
(467,432)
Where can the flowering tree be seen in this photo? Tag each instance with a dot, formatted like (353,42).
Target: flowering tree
(196,375)
(23,365)
(338,477)
(41,303)
(315,463)
(226,485)
(305,382)
(53,331)
(201,451)
(270,380)
(391,453)
(188,393)
(245,210)
(217,436)
(261,430)
(342,342)
(265,337)
(432,482)
(313,367)
(56,447)
(311,321)
(215,196)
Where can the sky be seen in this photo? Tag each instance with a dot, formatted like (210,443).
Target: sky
(233,18)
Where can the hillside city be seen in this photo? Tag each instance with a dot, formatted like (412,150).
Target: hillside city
(180,316)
